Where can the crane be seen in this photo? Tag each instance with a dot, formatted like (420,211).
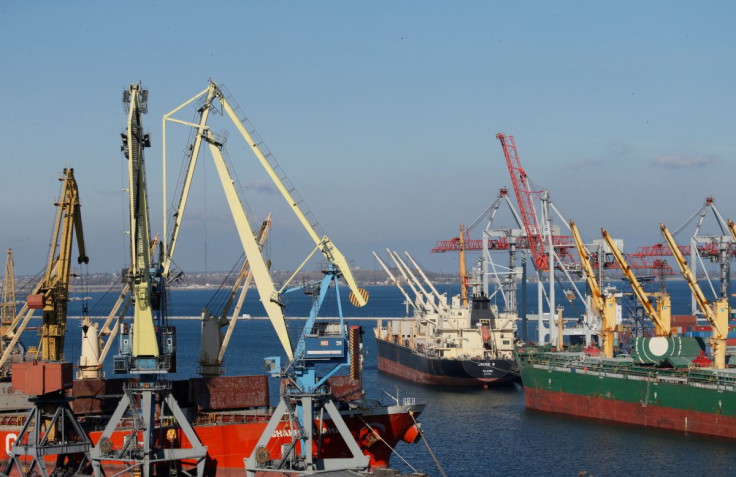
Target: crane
(7,312)
(661,316)
(147,349)
(716,312)
(359,296)
(320,345)
(214,344)
(50,428)
(524,193)
(732,229)
(52,294)
(604,306)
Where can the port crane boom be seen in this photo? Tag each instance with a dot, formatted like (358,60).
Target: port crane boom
(715,312)
(524,193)
(661,316)
(359,296)
(604,306)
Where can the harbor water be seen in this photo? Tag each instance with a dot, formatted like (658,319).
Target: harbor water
(470,432)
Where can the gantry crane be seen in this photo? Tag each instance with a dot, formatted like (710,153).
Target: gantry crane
(604,306)
(661,317)
(716,312)
(305,396)
(147,348)
(50,428)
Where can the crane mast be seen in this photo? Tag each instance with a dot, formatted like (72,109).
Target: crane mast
(7,313)
(715,312)
(145,345)
(661,316)
(148,349)
(55,283)
(604,306)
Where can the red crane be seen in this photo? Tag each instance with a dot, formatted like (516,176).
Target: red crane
(524,200)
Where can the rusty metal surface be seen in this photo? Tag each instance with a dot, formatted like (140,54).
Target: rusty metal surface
(97,396)
(229,392)
(344,388)
(38,378)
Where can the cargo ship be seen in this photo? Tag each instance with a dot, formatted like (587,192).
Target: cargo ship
(229,415)
(666,383)
(467,343)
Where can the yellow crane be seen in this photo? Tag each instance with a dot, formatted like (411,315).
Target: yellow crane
(51,294)
(7,312)
(716,312)
(732,228)
(604,306)
(661,317)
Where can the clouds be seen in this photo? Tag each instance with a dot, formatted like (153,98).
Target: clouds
(260,186)
(676,161)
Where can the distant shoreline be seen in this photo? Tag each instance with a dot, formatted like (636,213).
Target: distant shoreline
(292,318)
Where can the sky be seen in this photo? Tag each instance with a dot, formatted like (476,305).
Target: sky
(382,114)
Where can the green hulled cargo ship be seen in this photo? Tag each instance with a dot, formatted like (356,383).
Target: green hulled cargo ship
(654,388)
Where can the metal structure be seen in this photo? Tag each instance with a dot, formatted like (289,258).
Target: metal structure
(662,315)
(716,312)
(604,305)
(7,312)
(147,348)
(307,394)
(214,343)
(51,427)
(711,248)
(215,93)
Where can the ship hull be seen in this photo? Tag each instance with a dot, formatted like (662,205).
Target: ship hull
(656,399)
(231,435)
(229,443)
(405,363)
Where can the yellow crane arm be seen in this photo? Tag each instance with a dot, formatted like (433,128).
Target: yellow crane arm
(595,291)
(144,335)
(359,296)
(663,326)
(605,307)
(687,274)
(716,312)
(266,290)
(243,282)
(732,228)
(194,155)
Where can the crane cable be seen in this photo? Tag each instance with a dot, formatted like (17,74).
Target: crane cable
(421,433)
(378,435)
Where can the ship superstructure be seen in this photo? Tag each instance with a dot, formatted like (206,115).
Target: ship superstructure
(443,343)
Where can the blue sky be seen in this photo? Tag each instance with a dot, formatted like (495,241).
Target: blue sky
(383,114)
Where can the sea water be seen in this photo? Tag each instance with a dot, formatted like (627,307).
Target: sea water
(470,432)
